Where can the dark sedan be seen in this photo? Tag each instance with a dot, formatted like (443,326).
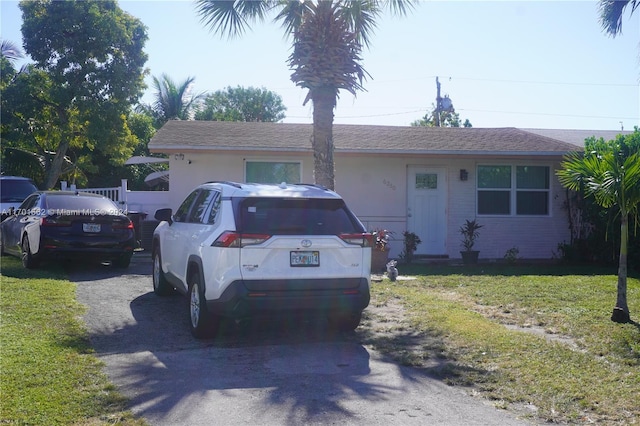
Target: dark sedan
(68,225)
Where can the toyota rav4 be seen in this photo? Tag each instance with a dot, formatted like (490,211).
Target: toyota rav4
(240,250)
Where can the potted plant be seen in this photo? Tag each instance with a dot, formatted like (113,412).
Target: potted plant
(411,241)
(380,250)
(469,232)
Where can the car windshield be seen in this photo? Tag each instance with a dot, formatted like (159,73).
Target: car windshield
(296,216)
(73,203)
(13,190)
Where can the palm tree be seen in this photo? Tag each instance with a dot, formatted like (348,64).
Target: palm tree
(328,36)
(611,174)
(173,101)
(611,12)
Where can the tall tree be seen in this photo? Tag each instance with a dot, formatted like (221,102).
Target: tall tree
(173,101)
(328,37)
(610,172)
(92,52)
(242,104)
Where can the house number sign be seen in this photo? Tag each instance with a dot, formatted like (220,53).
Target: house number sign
(389,184)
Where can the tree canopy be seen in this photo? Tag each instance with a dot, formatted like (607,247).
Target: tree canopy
(88,71)
(447,119)
(242,104)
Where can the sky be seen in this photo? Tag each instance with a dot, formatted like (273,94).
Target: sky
(541,64)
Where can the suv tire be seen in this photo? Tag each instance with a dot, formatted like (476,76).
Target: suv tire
(161,286)
(345,321)
(202,323)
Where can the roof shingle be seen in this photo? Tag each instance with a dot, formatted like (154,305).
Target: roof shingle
(236,136)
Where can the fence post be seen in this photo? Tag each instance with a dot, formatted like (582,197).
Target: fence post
(123,194)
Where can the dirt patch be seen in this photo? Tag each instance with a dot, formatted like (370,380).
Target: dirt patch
(386,326)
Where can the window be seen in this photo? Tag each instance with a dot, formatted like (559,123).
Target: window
(199,212)
(272,172)
(181,214)
(503,190)
(276,216)
(426,181)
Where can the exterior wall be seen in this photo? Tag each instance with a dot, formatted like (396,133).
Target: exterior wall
(189,170)
(375,188)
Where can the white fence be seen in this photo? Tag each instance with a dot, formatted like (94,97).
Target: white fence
(130,201)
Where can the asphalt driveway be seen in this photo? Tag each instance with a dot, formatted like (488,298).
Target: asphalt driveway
(280,372)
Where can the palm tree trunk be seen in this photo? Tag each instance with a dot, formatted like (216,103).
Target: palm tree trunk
(621,310)
(324,101)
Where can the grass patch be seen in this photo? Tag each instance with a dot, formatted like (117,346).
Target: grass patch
(48,374)
(536,337)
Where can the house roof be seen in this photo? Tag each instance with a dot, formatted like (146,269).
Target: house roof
(363,139)
(577,137)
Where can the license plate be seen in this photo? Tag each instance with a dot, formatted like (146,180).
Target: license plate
(91,227)
(305,258)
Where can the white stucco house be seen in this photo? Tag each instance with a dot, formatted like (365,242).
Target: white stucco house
(424,180)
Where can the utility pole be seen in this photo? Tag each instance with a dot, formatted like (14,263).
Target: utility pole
(442,104)
(438,103)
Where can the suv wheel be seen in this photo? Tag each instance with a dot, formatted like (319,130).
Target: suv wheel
(161,286)
(28,259)
(345,321)
(202,323)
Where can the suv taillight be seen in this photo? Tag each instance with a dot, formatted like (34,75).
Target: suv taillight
(236,239)
(363,240)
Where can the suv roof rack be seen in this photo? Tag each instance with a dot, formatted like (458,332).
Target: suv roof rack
(227,182)
(313,185)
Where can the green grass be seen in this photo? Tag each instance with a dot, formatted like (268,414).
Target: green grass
(578,366)
(48,374)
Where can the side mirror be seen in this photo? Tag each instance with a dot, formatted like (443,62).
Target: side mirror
(164,215)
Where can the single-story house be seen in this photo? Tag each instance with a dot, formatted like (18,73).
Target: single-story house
(425,180)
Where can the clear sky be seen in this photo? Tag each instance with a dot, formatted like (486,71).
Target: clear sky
(542,64)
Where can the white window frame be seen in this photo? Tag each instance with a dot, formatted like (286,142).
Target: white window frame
(272,161)
(513,190)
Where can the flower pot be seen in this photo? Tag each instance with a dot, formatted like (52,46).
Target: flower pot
(379,260)
(470,257)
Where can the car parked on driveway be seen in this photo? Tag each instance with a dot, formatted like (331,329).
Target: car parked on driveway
(243,250)
(68,225)
(13,191)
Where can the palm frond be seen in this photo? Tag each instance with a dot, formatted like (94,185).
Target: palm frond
(11,51)
(231,18)
(611,13)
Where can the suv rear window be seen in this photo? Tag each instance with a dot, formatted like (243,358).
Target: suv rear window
(278,216)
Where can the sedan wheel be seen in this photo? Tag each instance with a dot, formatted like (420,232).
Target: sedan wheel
(28,259)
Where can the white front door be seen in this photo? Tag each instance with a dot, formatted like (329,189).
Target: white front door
(426,212)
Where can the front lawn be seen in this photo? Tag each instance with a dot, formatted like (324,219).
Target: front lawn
(534,339)
(48,374)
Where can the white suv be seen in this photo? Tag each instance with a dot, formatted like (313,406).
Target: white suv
(243,250)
